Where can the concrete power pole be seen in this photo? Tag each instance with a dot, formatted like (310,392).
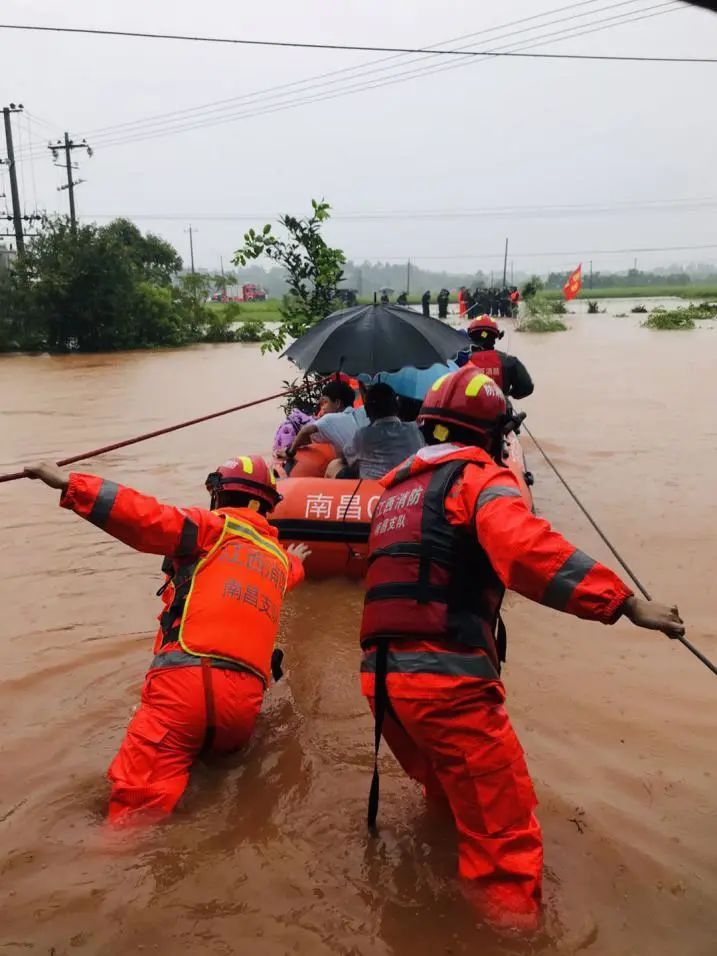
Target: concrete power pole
(12,169)
(68,145)
(191,232)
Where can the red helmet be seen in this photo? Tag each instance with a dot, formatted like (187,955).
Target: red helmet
(467,399)
(484,326)
(247,473)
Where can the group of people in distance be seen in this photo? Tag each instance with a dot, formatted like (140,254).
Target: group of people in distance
(449,534)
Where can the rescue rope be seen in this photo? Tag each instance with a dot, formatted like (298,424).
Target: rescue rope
(626,567)
(155,434)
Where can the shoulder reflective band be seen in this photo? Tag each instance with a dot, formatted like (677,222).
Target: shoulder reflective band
(103,503)
(566,579)
(496,491)
(250,534)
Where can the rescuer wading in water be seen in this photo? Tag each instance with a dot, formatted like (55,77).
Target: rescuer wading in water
(214,651)
(450,533)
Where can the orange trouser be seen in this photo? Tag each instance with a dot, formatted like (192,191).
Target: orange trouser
(464,751)
(164,737)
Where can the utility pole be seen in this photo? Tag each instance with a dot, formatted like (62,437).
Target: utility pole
(14,192)
(591,273)
(505,264)
(408,277)
(68,145)
(191,246)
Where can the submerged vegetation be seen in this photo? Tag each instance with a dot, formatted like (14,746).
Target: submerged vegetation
(541,324)
(680,318)
(541,310)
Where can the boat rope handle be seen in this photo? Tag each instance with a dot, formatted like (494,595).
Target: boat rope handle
(683,640)
(155,434)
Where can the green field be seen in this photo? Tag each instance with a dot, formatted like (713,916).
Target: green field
(265,311)
(643,292)
(269,311)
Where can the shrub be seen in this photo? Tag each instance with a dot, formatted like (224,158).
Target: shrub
(593,307)
(676,319)
(639,308)
(541,324)
(558,307)
(253,330)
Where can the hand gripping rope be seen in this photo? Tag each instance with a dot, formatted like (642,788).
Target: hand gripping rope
(683,640)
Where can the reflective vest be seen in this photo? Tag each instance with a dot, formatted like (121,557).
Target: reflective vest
(490,363)
(226,605)
(427,579)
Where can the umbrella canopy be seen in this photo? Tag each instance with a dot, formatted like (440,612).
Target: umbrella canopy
(414,382)
(372,339)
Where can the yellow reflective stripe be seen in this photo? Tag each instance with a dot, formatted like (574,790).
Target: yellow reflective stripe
(242,530)
(439,381)
(476,384)
(247,464)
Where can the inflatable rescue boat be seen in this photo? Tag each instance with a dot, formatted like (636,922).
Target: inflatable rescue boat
(333,515)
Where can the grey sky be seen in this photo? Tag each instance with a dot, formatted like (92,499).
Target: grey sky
(496,133)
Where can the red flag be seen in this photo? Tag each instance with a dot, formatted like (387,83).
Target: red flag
(571,289)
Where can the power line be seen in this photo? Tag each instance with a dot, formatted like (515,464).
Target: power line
(329,79)
(618,206)
(354,48)
(168,127)
(206,107)
(170,123)
(526,255)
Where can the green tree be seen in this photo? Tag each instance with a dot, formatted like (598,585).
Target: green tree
(313,268)
(96,288)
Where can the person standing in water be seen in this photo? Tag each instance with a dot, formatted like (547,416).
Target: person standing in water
(226,576)
(426,303)
(449,535)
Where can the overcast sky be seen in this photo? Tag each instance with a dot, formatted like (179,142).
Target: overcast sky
(475,135)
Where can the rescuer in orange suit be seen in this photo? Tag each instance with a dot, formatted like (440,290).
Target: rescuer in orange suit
(213,654)
(507,371)
(449,534)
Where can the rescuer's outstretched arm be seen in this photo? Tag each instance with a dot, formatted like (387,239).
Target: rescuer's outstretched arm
(530,557)
(138,520)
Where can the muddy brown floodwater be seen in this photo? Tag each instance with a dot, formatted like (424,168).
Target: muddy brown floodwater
(268,853)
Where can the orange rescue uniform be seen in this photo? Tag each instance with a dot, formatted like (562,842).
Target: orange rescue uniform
(226,578)
(446,723)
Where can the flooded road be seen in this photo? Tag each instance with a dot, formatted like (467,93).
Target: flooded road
(268,854)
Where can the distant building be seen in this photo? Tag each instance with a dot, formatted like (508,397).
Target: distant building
(7,254)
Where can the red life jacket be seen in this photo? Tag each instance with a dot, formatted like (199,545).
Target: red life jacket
(428,579)
(490,363)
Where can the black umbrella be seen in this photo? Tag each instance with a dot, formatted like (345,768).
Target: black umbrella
(372,339)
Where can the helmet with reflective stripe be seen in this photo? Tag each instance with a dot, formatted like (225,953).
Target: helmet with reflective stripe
(247,473)
(483,327)
(466,399)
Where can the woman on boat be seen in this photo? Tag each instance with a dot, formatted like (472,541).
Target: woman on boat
(337,425)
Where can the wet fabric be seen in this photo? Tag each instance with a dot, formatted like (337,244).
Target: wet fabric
(465,754)
(379,447)
(167,733)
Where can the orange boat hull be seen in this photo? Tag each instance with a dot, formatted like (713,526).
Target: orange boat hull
(333,516)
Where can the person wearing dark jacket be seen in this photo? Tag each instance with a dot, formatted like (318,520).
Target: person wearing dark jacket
(426,303)
(443,297)
(507,371)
